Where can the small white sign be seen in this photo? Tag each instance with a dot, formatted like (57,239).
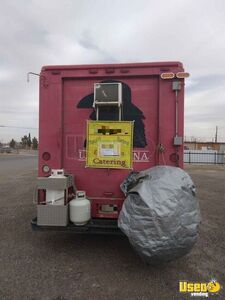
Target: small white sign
(109,149)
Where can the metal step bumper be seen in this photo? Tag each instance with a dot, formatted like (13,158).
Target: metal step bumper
(94,226)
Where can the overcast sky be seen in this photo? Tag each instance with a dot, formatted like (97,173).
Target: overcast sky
(37,33)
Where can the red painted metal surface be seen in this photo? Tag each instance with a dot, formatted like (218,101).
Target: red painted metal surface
(63,125)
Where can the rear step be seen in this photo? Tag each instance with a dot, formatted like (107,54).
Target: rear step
(94,226)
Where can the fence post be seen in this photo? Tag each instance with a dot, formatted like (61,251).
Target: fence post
(189,157)
(215,158)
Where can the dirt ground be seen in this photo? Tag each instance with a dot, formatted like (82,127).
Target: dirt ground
(63,266)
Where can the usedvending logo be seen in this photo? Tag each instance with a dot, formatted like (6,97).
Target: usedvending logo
(200,289)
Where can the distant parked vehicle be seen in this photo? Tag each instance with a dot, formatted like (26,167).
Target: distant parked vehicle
(5,150)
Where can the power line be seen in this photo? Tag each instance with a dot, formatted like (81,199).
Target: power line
(5,126)
(216,135)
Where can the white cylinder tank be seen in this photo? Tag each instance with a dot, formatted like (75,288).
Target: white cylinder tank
(55,197)
(80,209)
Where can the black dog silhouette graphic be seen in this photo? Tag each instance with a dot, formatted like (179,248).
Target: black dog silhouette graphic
(130,112)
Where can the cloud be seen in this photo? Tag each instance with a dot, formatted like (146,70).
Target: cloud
(204,111)
(37,32)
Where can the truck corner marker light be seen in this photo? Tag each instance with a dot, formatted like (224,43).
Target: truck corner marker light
(169,75)
(182,75)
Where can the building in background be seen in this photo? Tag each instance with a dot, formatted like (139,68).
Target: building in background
(194,145)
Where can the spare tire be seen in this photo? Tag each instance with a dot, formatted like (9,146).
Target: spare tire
(160,214)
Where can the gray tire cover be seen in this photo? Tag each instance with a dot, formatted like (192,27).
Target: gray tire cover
(160,214)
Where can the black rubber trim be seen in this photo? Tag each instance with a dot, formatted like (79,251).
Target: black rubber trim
(94,226)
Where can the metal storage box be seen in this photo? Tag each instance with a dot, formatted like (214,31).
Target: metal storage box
(53,215)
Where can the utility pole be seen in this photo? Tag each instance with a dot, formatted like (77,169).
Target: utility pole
(216,134)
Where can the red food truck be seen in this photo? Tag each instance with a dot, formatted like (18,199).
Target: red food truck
(99,123)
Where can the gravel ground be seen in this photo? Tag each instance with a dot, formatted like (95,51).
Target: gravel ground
(63,266)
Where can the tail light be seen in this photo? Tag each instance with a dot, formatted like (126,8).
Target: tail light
(182,75)
(46,156)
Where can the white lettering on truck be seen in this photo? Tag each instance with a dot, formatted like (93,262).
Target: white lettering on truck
(138,155)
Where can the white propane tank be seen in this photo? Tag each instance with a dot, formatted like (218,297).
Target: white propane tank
(55,197)
(80,209)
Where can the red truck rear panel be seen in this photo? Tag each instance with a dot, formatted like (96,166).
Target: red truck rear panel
(66,93)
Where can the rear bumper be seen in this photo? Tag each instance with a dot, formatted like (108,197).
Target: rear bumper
(94,226)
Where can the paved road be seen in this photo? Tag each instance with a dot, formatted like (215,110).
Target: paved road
(59,266)
(15,164)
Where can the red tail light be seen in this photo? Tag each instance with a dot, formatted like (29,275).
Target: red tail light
(46,156)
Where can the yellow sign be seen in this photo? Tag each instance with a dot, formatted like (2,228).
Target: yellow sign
(199,288)
(109,144)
